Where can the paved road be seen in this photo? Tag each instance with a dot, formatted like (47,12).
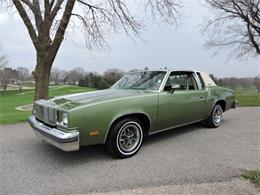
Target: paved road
(191,154)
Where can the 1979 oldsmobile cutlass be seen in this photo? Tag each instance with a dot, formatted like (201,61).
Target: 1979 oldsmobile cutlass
(141,103)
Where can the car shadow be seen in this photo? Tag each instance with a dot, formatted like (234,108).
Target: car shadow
(174,132)
(100,153)
(85,154)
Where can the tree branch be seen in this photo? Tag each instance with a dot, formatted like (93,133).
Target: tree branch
(27,22)
(236,24)
(252,39)
(62,27)
(56,8)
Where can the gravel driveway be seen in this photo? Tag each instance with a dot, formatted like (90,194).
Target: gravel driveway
(186,155)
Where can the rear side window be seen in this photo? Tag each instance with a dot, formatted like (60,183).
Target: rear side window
(201,81)
(185,80)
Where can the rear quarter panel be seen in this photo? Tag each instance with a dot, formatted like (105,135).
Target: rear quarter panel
(219,93)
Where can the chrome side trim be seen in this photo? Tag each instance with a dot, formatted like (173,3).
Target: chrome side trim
(174,127)
(66,141)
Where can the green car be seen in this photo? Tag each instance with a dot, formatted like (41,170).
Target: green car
(139,104)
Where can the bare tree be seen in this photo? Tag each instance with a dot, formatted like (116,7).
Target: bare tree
(63,76)
(235,24)
(3,76)
(235,82)
(3,59)
(7,76)
(257,84)
(47,22)
(75,75)
(56,75)
(112,75)
(4,80)
(23,75)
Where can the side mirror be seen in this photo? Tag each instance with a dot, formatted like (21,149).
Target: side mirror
(167,88)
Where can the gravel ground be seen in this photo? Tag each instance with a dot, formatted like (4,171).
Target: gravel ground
(187,155)
(234,187)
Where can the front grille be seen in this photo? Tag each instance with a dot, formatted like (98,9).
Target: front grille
(39,111)
(45,112)
(51,114)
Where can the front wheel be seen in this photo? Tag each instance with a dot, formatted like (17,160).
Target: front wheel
(215,118)
(125,138)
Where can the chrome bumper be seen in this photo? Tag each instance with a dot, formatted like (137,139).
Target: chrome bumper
(67,141)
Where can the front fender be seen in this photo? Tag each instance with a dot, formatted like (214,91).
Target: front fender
(122,115)
(100,117)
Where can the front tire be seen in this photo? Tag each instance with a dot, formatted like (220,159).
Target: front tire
(215,118)
(125,138)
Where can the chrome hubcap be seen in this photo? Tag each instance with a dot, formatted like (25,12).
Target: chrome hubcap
(217,116)
(129,138)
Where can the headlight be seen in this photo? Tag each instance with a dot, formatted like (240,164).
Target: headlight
(62,118)
(65,119)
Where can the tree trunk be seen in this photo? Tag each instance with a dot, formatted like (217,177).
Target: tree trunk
(42,75)
(20,88)
(5,89)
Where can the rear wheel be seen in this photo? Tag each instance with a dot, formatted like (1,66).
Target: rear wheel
(125,137)
(215,118)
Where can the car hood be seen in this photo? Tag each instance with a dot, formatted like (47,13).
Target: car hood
(75,100)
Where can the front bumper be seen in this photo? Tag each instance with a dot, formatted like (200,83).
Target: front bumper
(66,141)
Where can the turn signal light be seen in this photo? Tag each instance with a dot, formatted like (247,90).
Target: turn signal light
(93,133)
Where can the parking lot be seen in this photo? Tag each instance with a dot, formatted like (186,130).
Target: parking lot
(191,154)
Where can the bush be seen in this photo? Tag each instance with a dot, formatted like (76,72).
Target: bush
(94,81)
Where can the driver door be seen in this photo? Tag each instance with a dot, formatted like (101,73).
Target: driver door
(182,105)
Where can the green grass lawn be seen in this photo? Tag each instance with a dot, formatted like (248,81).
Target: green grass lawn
(9,101)
(12,99)
(253,176)
(248,97)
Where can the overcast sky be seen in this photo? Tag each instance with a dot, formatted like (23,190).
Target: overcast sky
(164,47)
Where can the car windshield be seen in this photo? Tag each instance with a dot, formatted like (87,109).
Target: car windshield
(146,80)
